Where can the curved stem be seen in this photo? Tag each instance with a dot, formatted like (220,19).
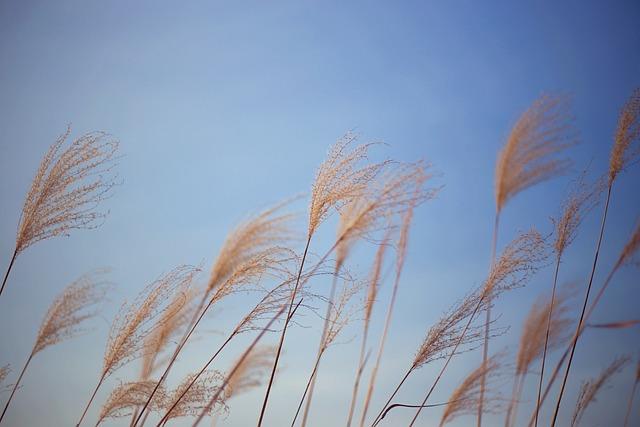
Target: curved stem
(93,395)
(6,275)
(453,352)
(382,412)
(546,338)
(402,405)
(284,332)
(487,324)
(15,386)
(584,307)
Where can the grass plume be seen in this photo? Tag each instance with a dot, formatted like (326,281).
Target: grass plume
(70,309)
(590,389)
(68,186)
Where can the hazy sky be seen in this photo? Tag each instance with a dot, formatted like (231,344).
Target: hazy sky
(223,108)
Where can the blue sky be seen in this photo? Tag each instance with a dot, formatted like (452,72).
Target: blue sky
(223,108)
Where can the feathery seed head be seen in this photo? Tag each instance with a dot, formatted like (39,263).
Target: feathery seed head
(445,334)
(249,373)
(71,308)
(175,319)
(534,332)
(247,241)
(579,202)
(590,388)
(394,195)
(136,321)
(630,251)
(627,134)
(68,186)
(465,398)
(126,397)
(529,156)
(340,179)
(518,262)
(196,397)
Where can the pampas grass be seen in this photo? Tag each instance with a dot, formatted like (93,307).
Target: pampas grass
(125,398)
(248,252)
(376,203)
(70,309)
(68,186)
(546,328)
(339,315)
(577,205)
(590,389)
(624,151)
(339,180)
(373,284)
(466,397)
(136,321)
(530,156)
(191,397)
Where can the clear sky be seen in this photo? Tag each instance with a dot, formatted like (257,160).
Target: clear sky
(223,108)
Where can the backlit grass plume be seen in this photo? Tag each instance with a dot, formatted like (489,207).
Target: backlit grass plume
(125,398)
(247,253)
(340,179)
(174,319)
(69,185)
(546,327)
(516,265)
(69,310)
(530,153)
(249,374)
(466,397)
(189,399)
(581,199)
(445,338)
(628,256)
(590,389)
(136,321)
(399,189)
(625,149)
(530,156)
